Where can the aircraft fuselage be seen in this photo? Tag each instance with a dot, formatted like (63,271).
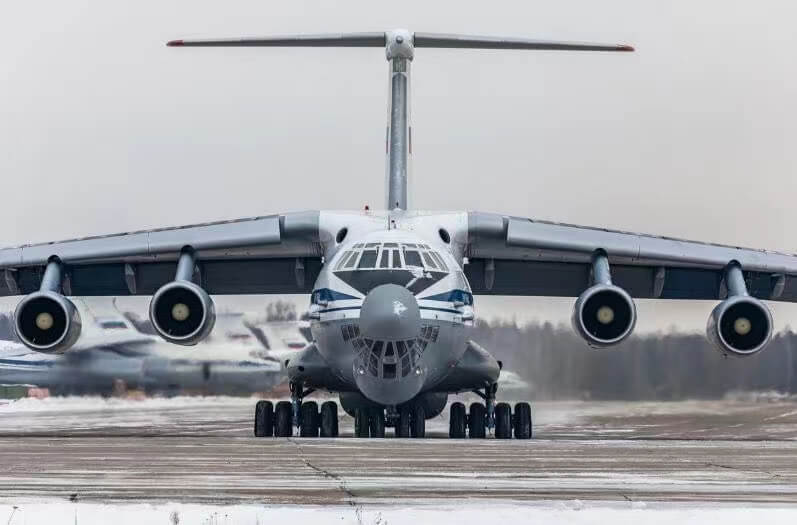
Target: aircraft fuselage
(392,310)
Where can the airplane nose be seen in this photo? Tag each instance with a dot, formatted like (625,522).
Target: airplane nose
(390,312)
(390,321)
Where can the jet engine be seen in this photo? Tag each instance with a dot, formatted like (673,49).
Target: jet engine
(604,315)
(740,326)
(182,312)
(47,322)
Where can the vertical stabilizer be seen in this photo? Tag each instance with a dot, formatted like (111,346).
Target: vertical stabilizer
(399,52)
(400,47)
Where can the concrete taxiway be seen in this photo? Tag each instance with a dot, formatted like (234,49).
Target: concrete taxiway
(201,450)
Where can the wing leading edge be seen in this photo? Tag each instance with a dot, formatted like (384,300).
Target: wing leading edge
(272,254)
(521,256)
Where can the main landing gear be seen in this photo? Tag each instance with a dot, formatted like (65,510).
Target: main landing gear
(408,420)
(489,415)
(280,420)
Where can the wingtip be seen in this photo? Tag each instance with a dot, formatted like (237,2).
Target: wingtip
(626,47)
(174,43)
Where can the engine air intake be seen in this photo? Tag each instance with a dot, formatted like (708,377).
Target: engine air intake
(47,322)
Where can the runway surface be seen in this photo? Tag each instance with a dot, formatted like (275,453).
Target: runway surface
(201,450)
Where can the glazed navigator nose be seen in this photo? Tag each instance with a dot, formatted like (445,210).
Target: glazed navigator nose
(390,312)
(387,371)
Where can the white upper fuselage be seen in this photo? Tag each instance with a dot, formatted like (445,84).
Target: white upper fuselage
(399,247)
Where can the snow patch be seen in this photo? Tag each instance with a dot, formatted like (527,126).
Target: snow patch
(462,513)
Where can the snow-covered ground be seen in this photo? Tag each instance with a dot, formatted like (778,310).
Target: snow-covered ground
(550,513)
(92,460)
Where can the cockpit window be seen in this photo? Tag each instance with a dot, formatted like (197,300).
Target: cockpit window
(391,255)
(396,263)
(352,260)
(440,261)
(343,259)
(429,261)
(368,259)
(411,257)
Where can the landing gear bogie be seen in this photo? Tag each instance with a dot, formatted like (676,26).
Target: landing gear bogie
(309,419)
(264,419)
(283,419)
(457,422)
(522,421)
(477,421)
(408,420)
(503,421)
(418,421)
(376,422)
(403,422)
(329,419)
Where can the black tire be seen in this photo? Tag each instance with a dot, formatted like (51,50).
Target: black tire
(522,421)
(264,419)
(329,420)
(456,421)
(283,419)
(361,429)
(403,423)
(376,422)
(477,424)
(503,421)
(418,421)
(308,419)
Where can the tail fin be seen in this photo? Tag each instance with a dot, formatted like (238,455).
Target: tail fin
(400,47)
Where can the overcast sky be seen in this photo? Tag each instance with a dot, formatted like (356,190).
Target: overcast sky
(104,129)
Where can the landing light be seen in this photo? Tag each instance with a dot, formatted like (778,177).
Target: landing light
(180,312)
(44,321)
(605,315)
(742,326)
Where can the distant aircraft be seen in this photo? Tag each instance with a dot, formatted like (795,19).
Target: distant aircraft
(112,350)
(391,291)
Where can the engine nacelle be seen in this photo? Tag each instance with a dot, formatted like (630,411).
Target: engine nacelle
(604,315)
(740,326)
(47,322)
(182,312)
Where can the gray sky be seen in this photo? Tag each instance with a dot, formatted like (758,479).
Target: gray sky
(103,128)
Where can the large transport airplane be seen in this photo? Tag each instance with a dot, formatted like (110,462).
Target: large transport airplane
(391,291)
(112,350)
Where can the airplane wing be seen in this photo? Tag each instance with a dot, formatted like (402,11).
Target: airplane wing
(522,256)
(258,255)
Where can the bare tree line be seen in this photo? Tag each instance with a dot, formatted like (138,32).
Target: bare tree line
(560,365)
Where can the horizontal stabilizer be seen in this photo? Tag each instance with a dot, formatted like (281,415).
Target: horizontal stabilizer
(440,40)
(380,39)
(325,40)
